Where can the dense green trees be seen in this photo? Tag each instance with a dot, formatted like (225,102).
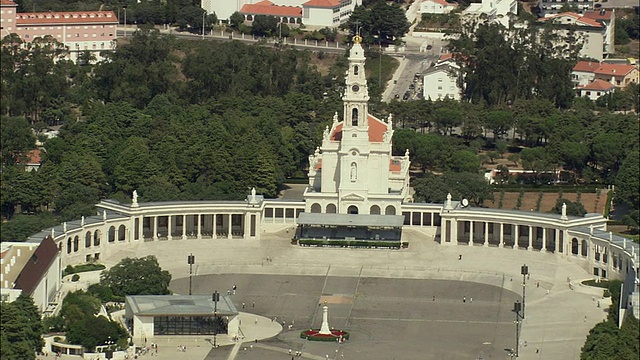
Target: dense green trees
(501,66)
(606,340)
(20,329)
(137,276)
(382,21)
(80,320)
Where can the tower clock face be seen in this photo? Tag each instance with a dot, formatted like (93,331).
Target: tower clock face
(355,88)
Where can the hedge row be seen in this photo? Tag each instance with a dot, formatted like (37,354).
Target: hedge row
(82,268)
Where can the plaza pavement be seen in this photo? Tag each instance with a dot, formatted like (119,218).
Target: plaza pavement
(558,316)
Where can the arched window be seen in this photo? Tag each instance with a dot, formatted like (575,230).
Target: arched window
(316,208)
(112,234)
(355,70)
(390,210)
(352,209)
(76,241)
(584,248)
(69,246)
(122,231)
(354,117)
(96,238)
(331,209)
(87,239)
(574,246)
(375,210)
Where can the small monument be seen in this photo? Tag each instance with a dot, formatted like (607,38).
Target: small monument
(82,221)
(325,333)
(134,199)
(64,227)
(448,205)
(324,328)
(564,212)
(104,215)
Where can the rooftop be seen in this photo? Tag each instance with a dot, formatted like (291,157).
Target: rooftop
(350,220)
(614,69)
(579,19)
(37,265)
(268,8)
(322,3)
(586,66)
(598,85)
(67,17)
(377,128)
(193,305)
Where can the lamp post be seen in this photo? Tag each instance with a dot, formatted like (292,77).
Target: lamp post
(517,307)
(203,15)
(215,298)
(191,259)
(524,270)
(125,20)
(108,353)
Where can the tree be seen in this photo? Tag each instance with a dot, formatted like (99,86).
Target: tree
(264,25)
(573,208)
(627,182)
(501,66)
(92,331)
(235,20)
(16,138)
(447,119)
(464,161)
(434,188)
(137,276)
(500,122)
(632,220)
(21,329)
(386,22)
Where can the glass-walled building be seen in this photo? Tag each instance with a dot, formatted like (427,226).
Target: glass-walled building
(159,315)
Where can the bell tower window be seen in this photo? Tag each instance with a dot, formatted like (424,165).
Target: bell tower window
(355,70)
(354,117)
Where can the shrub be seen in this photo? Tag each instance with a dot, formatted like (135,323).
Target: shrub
(75,277)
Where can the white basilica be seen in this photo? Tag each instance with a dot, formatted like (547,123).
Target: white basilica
(353,172)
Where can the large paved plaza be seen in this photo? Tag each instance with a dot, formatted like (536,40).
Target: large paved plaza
(385,298)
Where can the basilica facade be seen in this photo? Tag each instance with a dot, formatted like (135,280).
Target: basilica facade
(353,171)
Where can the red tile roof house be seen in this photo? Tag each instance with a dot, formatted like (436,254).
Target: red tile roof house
(584,72)
(619,75)
(596,89)
(93,31)
(312,13)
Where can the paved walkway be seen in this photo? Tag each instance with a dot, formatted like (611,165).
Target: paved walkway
(558,316)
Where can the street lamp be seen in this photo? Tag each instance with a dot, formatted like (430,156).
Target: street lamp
(108,353)
(524,270)
(215,298)
(191,259)
(517,307)
(203,15)
(125,20)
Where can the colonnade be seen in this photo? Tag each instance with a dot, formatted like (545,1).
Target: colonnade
(584,239)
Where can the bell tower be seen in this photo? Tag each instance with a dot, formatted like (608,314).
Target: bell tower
(356,95)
